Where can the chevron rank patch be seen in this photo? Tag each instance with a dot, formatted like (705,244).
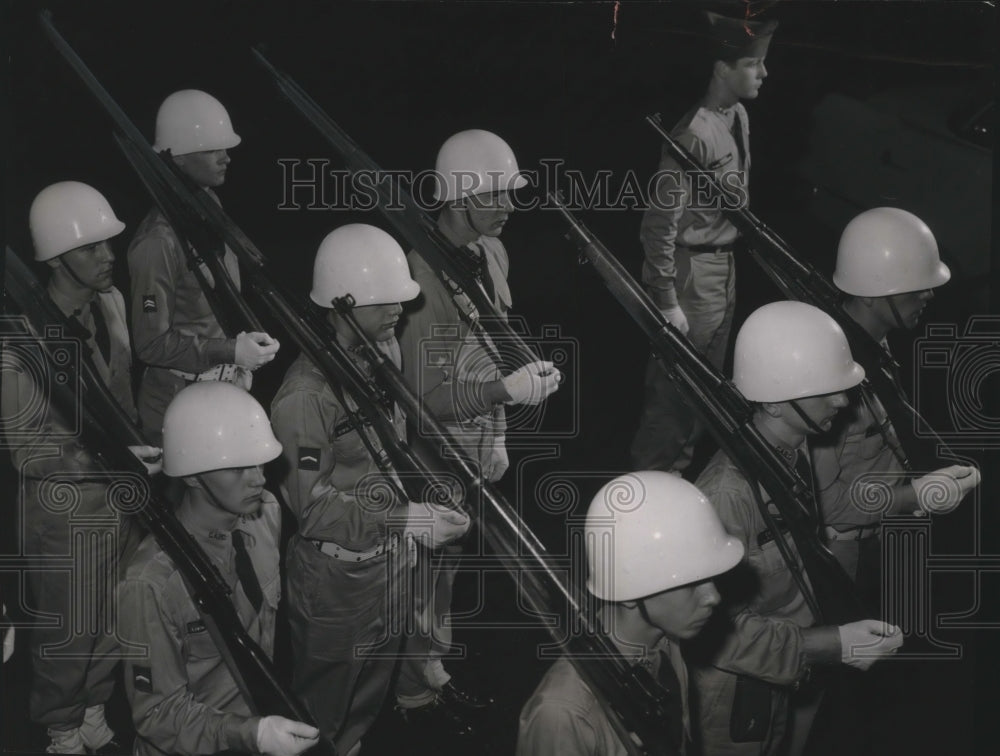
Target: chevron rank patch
(149,303)
(143,679)
(308,458)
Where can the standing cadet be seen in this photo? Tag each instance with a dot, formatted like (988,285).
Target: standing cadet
(176,333)
(794,362)
(888,265)
(349,563)
(666,543)
(184,698)
(453,374)
(689,269)
(74,662)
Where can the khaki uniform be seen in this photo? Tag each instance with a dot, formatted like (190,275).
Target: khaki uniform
(62,491)
(439,351)
(347,573)
(854,463)
(563,716)
(184,698)
(174,327)
(689,262)
(764,640)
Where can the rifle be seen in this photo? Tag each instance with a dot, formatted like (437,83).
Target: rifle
(108,431)
(800,280)
(728,415)
(449,262)
(636,701)
(163,180)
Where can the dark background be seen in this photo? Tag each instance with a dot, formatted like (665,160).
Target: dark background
(549,78)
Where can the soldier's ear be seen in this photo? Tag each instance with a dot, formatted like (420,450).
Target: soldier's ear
(772,409)
(192,481)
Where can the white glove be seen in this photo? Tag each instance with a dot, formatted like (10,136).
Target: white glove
(254,349)
(496,462)
(8,639)
(277,736)
(150,456)
(941,491)
(532,383)
(864,642)
(676,317)
(434,525)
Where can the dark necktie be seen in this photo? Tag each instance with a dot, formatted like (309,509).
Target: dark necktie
(805,471)
(245,571)
(484,274)
(667,677)
(101,334)
(738,136)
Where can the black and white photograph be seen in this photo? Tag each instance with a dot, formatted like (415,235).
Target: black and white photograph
(488,377)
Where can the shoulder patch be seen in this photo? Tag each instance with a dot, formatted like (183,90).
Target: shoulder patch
(308,458)
(149,303)
(142,678)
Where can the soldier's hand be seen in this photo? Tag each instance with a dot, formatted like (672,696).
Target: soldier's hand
(941,491)
(864,642)
(676,317)
(277,736)
(255,349)
(150,456)
(532,383)
(434,525)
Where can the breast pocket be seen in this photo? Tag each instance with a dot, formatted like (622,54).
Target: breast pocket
(776,586)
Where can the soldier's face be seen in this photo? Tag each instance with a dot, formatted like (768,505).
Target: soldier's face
(682,612)
(206,169)
(237,490)
(910,307)
(487,213)
(378,322)
(92,265)
(744,76)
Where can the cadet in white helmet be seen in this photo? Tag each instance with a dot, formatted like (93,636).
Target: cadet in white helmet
(888,266)
(184,698)
(350,559)
(454,375)
(175,331)
(71,227)
(653,545)
(793,361)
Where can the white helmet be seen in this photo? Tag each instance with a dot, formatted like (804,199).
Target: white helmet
(475,162)
(365,262)
(214,425)
(648,532)
(888,251)
(193,121)
(791,350)
(68,215)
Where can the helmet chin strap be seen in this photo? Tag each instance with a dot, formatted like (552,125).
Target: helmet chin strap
(72,273)
(895,312)
(810,423)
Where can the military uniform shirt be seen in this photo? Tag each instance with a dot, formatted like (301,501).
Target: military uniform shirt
(183,697)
